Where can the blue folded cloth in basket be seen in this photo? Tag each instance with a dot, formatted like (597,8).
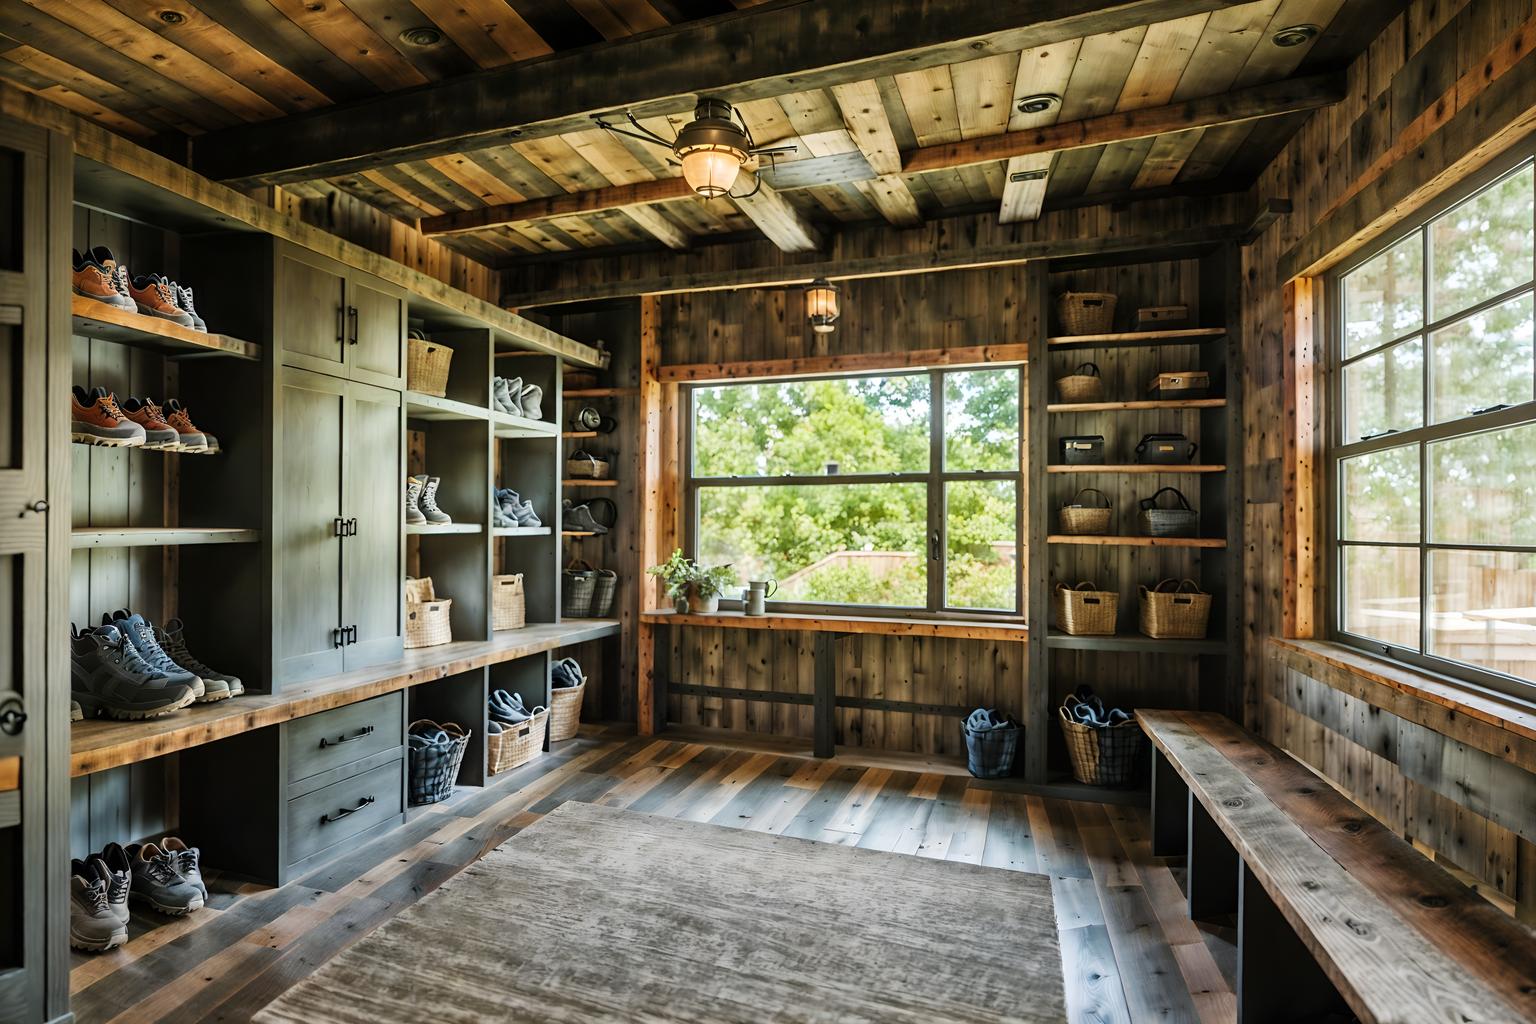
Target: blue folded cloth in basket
(987,719)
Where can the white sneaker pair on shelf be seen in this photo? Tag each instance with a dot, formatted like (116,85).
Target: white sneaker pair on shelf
(511,395)
(421,502)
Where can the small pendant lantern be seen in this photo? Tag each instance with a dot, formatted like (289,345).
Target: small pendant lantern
(821,305)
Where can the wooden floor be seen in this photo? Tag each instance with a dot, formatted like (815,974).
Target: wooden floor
(1115,904)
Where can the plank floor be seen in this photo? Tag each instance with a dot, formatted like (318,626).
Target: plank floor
(1131,954)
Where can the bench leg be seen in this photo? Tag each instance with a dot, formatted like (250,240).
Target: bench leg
(1170,809)
(1212,868)
(1278,981)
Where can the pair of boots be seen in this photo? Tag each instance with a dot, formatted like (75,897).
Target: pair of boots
(421,502)
(511,395)
(509,509)
(579,518)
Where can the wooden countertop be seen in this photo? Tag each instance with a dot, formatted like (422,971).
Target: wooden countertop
(100,743)
(964,629)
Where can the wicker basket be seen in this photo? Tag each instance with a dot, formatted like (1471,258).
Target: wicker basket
(1174,610)
(1108,756)
(426,615)
(584,465)
(426,366)
(577,586)
(509,605)
(1182,521)
(1081,385)
(1085,611)
(515,745)
(607,585)
(1080,520)
(565,710)
(1086,312)
(434,768)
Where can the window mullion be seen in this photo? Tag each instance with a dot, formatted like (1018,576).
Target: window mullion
(936,538)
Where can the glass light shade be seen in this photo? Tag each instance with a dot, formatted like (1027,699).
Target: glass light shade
(821,306)
(711,170)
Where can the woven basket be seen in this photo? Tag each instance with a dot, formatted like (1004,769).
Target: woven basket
(434,769)
(426,366)
(509,605)
(989,754)
(1170,611)
(426,615)
(1081,385)
(607,585)
(1182,521)
(565,710)
(585,466)
(1102,757)
(1085,611)
(1086,312)
(576,589)
(515,745)
(1086,520)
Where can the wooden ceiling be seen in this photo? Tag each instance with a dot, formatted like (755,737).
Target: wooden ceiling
(903,147)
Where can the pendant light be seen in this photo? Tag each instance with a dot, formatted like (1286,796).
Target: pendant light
(712,148)
(821,305)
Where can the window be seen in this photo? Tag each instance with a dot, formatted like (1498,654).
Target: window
(887,491)
(1434,442)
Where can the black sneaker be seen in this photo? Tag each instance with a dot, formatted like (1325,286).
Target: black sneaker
(108,676)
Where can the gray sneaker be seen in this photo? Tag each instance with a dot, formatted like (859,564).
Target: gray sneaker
(142,635)
(184,300)
(413,488)
(530,400)
(501,394)
(428,503)
(579,518)
(92,924)
(108,676)
(186,858)
(217,685)
(119,874)
(158,881)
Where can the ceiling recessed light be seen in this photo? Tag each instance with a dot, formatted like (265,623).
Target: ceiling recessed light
(1296,35)
(1027,176)
(172,17)
(422,35)
(1038,104)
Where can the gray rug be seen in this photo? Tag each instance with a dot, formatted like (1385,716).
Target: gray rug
(601,915)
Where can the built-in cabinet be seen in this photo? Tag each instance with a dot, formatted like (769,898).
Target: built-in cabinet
(336,320)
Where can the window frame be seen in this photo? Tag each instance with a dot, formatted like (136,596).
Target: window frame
(935,479)
(1338,448)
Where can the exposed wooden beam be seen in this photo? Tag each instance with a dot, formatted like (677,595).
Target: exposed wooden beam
(666,232)
(1270,210)
(615,197)
(853,362)
(1023,193)
(782,223)
(765,51)
(870,128)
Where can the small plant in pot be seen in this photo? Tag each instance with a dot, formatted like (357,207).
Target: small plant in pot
(692,586)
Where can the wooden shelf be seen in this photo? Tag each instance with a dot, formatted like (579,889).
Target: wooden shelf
(589,483)
(577,533)
(578,433)
(965,629)
(601,392)
(427,529)
(1139,542)
(1139,405)
(158,536)
(521,531)
(144,448)
(1137,468)
(1134,643)
(94,319)
(507,425)
(1186,336)
(433,409)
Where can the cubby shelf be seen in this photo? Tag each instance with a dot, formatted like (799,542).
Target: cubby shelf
(158,536)
(1137,468)
(520,531)
(92,319)
(1185,336)
(577,533)
(1139,405)
(507,425)
(427,529)
(143,448)
(601,392)
(589,483)
(1138,542)
(433,409)
(578,433)
(1134,643)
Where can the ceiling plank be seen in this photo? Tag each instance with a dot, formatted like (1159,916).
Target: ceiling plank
(657,225)
(781,222)
(869,126)
(1023,200)
(615,198)
(759,53)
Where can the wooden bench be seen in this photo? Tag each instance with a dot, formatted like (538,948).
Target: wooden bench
(1335,912)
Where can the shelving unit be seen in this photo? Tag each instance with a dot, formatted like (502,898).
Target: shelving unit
(1138,468)
(1138,405)
(521,531)
(1134,339)
(1137,542)
(156,536)
(1133,643)
(92,319)
(589,483)
(432,409)
(445,529)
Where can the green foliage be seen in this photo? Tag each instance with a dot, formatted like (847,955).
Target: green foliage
(683,576)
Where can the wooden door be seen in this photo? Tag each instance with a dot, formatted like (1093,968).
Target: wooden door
(373,565)
(307,526)
(376,332)
(311,318)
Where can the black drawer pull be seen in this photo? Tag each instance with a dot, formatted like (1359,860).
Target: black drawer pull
(366,730)
(326,819)
(352,318)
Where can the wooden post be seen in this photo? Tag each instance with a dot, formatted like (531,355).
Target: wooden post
(1170,809)
(1301,439)
(1278,980)
(657,527)
(1213,866)
(824,710)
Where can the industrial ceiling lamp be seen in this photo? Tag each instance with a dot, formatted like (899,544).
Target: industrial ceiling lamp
(821,305)
(712,148)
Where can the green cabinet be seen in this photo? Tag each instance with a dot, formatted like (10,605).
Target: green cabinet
(339,321)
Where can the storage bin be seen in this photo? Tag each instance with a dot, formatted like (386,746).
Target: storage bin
(426,365)
(989,753)
(1079,520)
(434,766)
(426,615)
(1162,318)
(509,603)
(1081,385)
(578,584)
(516,745)
(1184,384)
(1108,756)
(1081,450)
(607,586)
(1084,610)
(1166,450)
(1086,312)
(1175,610)
(583,465)
(1181,521)
(565,710)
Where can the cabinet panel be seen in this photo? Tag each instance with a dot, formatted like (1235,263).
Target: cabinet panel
(376,333)
(374,562)
(320,743)
(311,307)
(342,810)
(307,592)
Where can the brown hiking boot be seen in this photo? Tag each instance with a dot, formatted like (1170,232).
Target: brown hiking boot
(96,419)
(157,432)
(97,281)
(153,297)
(189,438)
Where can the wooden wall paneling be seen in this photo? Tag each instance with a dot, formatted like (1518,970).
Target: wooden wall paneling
(1303,439)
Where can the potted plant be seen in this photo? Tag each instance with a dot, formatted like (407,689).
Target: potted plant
(692,586)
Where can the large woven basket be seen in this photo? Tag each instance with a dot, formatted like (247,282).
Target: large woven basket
(1084,610)
(1173,610)
(1109,756)
(607,585)
(426,365)
(515,745)
(584,465)
(1181,521)
(1081,385)
(434,768)
(1079,520)
(565,711)
(578,584)
(426,615)
(509,603)
(1086,312)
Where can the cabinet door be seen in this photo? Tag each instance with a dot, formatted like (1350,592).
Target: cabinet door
(306,599)
(374,562)
(376,332)
(311,312)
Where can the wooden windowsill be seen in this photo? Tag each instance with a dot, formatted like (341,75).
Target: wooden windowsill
(1500,711)
(968,629)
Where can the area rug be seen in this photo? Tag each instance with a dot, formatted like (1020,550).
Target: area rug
(600,915)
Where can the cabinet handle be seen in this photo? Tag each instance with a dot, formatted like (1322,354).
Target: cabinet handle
(933,545)
(352,317)
(13,717)
(341,526)
(39,506)
(338,637)
(366,730)
(352,527)
(341,324)
(351,634)
(326,819)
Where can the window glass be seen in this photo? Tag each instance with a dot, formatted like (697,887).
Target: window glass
(1482,247)
(1483,609)
(1382,594)
(980,523)
(1384,298)
(1482,361)
(981,420)
(1381,496)
(1384,391)
(1482,488)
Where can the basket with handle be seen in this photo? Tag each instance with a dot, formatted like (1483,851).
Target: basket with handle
(583,465)
(607,586)
(576,589)
(1180,521)
(565,710)
(1102,755)
(509,603)
(1079,520)
(426,365)
(517,744)
(1086,312)
(1175,610)
(434,764)
(1084,610)
(1081,385)
(427,622)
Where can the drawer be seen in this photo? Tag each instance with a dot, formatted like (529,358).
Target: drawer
(343,809)
(330,739)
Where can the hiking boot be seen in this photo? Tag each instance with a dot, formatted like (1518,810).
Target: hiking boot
(579,518)
(188,437)
(142,636)
(210,444)
(76,713)
(218,685)
(107,675)
(95,419)
(158,434)
(428,503)
(153,296)
(97,281)
(413,488)
(92,924)
(186,858)
(184,300)
(530,399)
(158,881)
(114,860)
(501,395)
